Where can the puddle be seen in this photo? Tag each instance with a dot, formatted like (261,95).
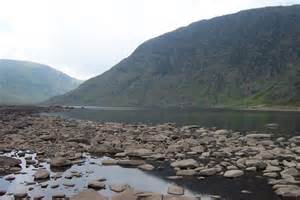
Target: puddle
(90,169)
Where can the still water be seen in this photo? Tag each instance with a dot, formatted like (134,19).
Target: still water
(156,181)
(288,122)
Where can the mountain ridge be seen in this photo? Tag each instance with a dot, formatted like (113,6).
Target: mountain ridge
(26,82)
(247,58)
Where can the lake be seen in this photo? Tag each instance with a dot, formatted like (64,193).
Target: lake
(237,120)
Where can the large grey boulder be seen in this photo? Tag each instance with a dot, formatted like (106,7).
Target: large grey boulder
(176,190)
(208,172)
(233,173)
(41,174)
(187,163)
(60,162)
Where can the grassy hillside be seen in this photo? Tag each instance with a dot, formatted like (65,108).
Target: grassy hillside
(23,82)
(248,58)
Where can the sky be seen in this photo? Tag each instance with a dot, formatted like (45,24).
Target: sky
(84,38)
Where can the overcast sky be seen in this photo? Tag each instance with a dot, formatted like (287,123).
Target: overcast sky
(84,38)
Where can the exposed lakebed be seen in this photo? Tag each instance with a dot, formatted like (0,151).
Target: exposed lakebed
(203,162)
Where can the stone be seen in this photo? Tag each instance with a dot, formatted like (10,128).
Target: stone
(139,152)
(295,140)
(31,162)
(58,195)
(60,162)
(41,174)
(54,185)
(222,132)
(188,163)
(259,164)
(118,188)
(271,174)
(272,125)
(38,197)
(44,185)
(2,192)
(109,162)
(98,185)
(208,172)
(128,194)
(233,173)
(68,184)
(272,169)
(88,194)
(288,191)
(258,136)
(130,162)
(10,162)
(198,149)
(9,177)
(149,196)
(186,172)
(146,167)
(289,172)
(20,195)
(177,197)
(175,190)
(246,192)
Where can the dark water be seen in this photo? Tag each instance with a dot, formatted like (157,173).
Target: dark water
(289,122)
(155,181)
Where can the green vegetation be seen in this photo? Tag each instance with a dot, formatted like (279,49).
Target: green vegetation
(244,59)
(24,82)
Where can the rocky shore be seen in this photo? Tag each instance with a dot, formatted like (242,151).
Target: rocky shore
(189,150)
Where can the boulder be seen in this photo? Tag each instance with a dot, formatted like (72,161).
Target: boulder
(118,188)
(97,185)
(8,161)
(177,197)
(188,163)
(88,194)
(295,140)
(186,172)
(20,195)
(233,173)
(175,190)
(146,167)
(41,174)
(128,194)
(259,164)
(139,152)
(289,172)
(2,192)
(109,162)
(208,172)
(60,162)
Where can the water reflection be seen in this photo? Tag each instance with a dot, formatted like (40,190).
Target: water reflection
(91,169)
(236,120)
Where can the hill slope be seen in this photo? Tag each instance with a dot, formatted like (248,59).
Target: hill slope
(248,58)
(23,82)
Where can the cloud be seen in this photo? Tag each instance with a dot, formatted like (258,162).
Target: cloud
(86,37)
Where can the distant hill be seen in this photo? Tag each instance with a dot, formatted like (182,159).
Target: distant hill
(23,82)
(248,58)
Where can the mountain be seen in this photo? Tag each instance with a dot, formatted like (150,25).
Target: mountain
(248,58)
(23,82)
